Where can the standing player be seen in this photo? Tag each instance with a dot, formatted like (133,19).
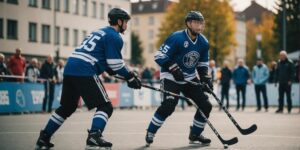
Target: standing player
(99,52)
(180,56)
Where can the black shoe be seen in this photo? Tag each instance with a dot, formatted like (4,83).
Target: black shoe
(279,111)
(149,138)
(258,109)
(43,142)
(95,141)
(198,138)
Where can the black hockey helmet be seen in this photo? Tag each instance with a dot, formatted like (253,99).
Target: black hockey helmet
(115,14)
(194,15)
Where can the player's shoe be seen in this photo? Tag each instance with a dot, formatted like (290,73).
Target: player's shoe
(96,141)
(149,138)
(43,142)
(198,138)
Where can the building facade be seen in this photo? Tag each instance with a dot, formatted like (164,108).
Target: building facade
(43,27)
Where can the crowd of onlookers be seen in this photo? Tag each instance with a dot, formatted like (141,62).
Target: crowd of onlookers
(282,73)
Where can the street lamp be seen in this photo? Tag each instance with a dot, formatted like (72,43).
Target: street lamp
(258,50)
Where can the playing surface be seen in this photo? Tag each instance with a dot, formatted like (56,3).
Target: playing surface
(126,130)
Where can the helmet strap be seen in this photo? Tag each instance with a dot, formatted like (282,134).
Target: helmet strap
(121,27)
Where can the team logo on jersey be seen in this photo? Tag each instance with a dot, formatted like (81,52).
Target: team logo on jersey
(185,44)
(190,59)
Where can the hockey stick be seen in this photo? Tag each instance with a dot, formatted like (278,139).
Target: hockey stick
(224,142)
(249,130)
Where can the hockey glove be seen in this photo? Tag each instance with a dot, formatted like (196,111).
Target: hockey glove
(133,81)
(207,81)
(176,72)
(110,72)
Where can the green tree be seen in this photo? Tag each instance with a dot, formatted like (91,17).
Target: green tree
(136,50)
(292,25)
(219,20)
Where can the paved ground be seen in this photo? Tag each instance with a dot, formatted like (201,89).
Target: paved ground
(126,129)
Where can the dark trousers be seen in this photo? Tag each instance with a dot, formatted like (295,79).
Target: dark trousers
(225,94)
(285,88)
(241,88)
(49,96)
(261,89)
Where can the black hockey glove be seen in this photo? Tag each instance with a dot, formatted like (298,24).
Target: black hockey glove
(176,72)
(207,81)
(110,72)
(133,81)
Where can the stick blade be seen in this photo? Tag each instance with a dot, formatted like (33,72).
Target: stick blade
(231,141)
(250,130)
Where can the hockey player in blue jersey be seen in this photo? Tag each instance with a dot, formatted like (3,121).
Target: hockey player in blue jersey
(182,53)
(99,52)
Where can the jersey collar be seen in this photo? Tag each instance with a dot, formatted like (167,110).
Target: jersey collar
(190,38)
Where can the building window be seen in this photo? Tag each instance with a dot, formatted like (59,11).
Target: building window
(32,36)
(46,33)
(151,47)
(102,11)
(66,6)
(57,36)
(136,21)
(75,37)
(12,29)
(1,28)
(76,7)
(109,8)
(46,4)
(13,2)
(150,34)
(84,34)
(66,36)
(151,20)
(85,8)
(94,9)
(32,3)
(57,5)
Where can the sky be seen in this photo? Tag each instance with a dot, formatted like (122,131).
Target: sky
(240,5)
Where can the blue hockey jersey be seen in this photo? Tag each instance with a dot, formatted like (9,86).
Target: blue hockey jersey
(98,52)
(187,54)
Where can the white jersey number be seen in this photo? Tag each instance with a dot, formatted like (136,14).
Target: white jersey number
(90,43)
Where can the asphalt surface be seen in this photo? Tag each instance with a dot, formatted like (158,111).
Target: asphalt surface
(126,130)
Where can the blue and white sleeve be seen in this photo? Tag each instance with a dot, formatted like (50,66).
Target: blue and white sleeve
(114,57)
(202,67)
(163,57)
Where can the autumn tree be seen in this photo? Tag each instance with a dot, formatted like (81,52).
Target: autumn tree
(219,20)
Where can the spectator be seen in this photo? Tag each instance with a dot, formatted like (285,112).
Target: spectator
(48,73)
(226,76)
(59,71)
(3,67)
(17,65)
(240,77)
(272,72)
(284,76)
(32,71)
(147,75)
(212,70)
(260,75)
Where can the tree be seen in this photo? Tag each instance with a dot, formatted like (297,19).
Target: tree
(220,24)
(267,44)
(136,50)
(292,8)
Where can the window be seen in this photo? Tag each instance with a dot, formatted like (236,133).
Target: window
(136,21)
(57,5)
(84,34)
(57,36)
(66,6)
(12,29)
(85,8)
(66,36)
(76,7)
(151,47)
(151,20)
(94,9)
(1,28)
(102,11)
(150,34)
(75,37)
(109,7)
(32,32)
(46,4)
(46,33)
(32,3)
(13,2)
